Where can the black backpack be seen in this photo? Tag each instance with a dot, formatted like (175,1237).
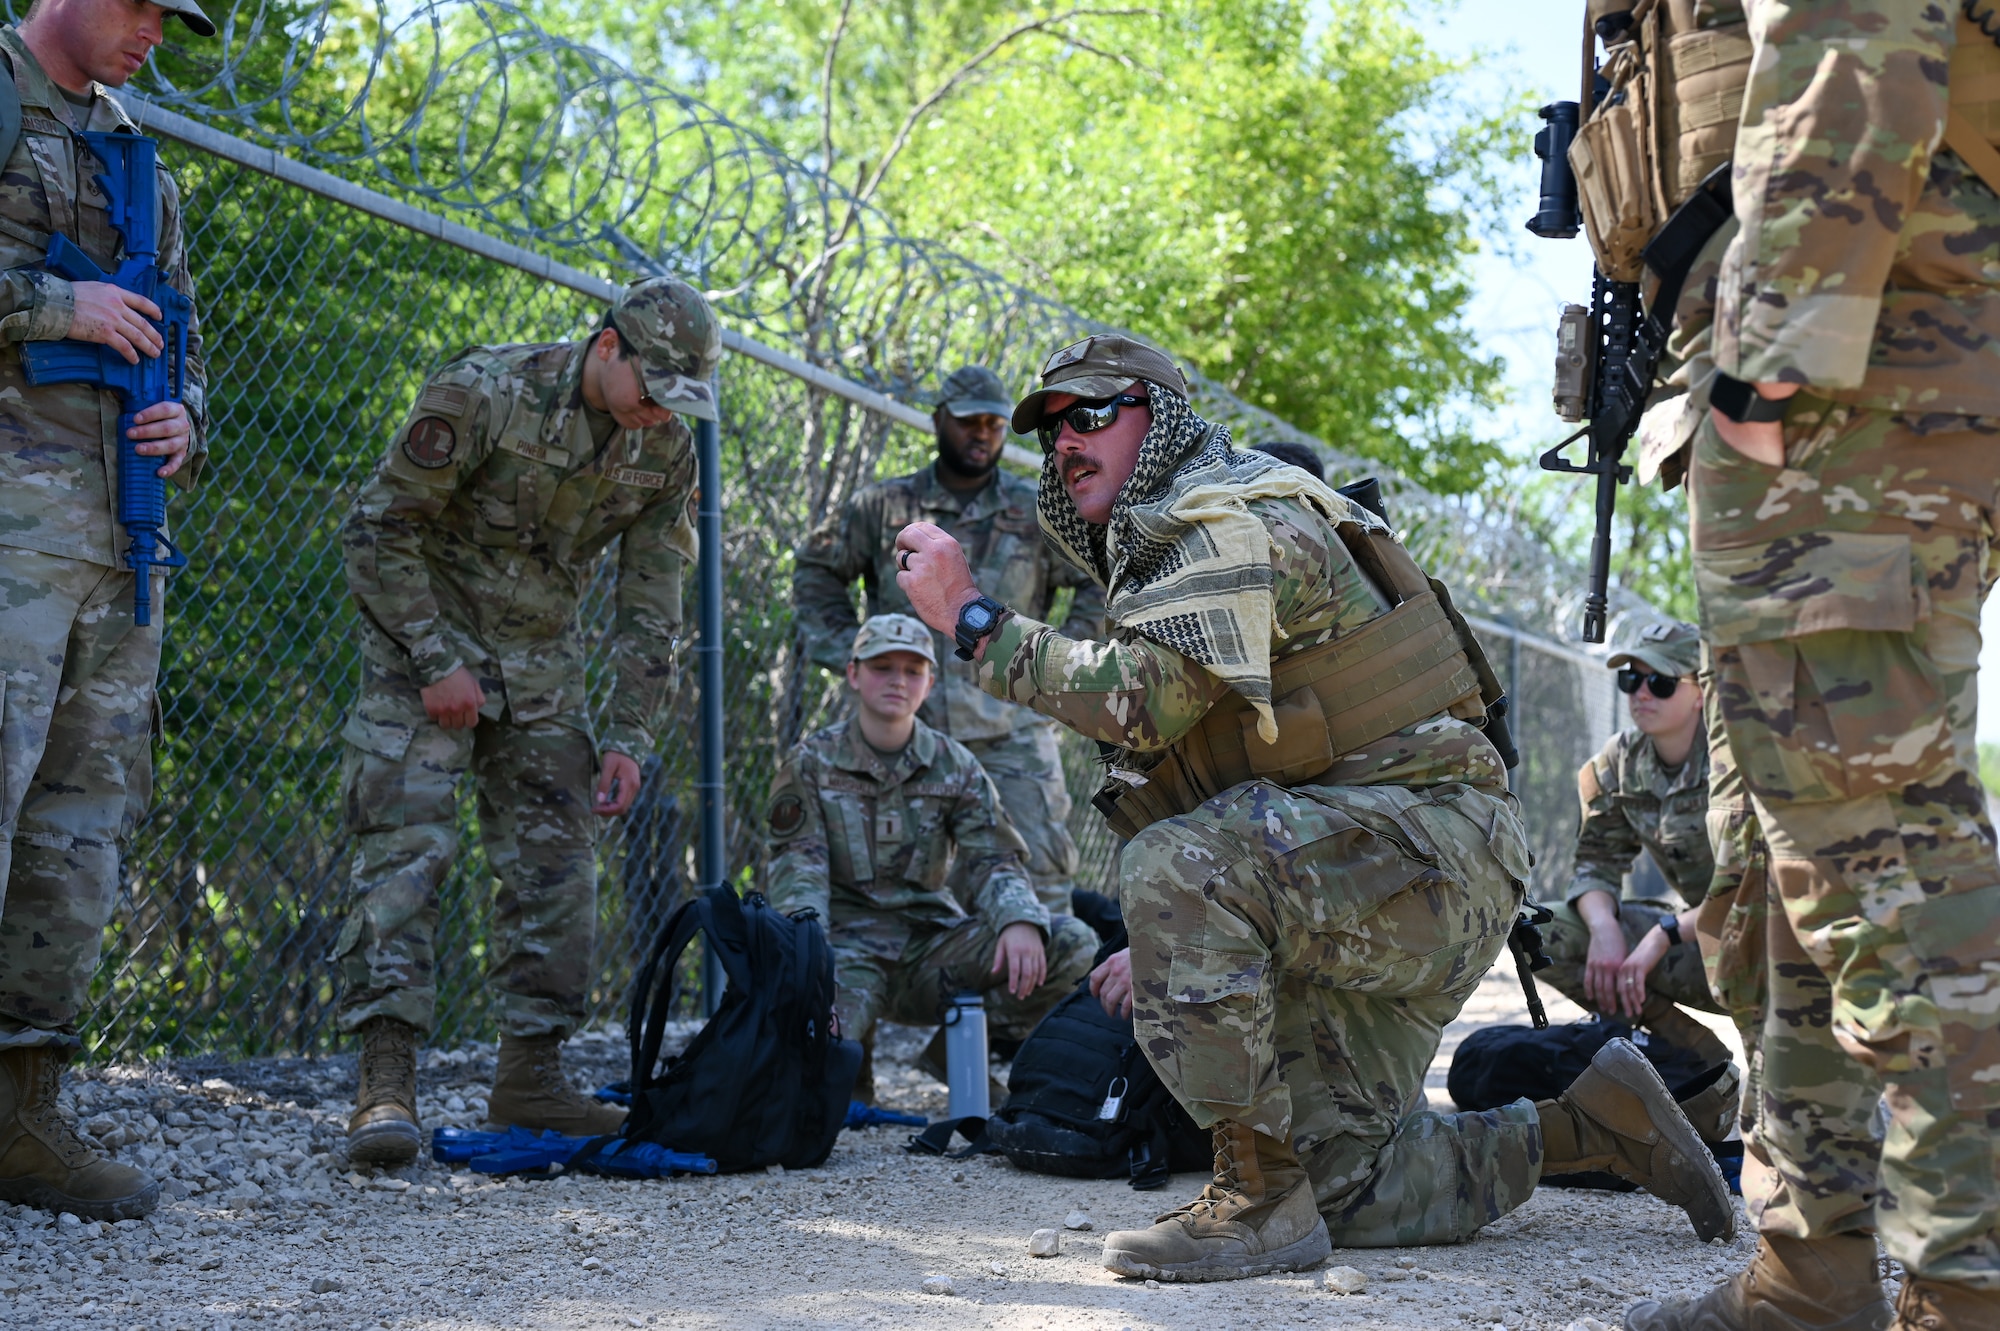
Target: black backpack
(1497,1065)
(765,1082)
(1082,1101)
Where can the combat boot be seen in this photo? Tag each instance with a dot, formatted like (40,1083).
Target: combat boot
(1930,1305)
(1713,1109)
(1258,1216)
(384,1128)
(1791,1284)
(1619,1116)
(44,1163)
(530,1091)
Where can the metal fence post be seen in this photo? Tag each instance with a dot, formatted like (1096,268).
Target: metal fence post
(708,656)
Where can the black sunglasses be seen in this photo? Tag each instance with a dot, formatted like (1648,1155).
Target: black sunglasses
(1084,417)
(1662,686)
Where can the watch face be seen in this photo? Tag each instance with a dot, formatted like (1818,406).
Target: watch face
(977,617)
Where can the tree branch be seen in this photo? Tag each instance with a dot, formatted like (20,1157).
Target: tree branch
(826,89)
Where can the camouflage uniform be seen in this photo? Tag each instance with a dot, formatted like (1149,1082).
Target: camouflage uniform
(77,677)
(1297,952)
(1840,598)
(1633,803)
(998,530)
(868,840)
(470,546)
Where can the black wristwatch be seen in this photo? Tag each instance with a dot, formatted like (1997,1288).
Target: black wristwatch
(979,618)
(1742,403)
(1670,925)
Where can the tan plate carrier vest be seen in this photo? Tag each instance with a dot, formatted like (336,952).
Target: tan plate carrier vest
(1676,102)
(1417,661)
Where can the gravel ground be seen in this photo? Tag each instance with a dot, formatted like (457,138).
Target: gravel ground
(266,1225)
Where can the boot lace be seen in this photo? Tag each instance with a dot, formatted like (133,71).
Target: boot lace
(391,1063)
(547,1067)
(46,1119)
(1226,1188)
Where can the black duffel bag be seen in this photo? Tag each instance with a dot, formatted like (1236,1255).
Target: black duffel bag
(765,1082)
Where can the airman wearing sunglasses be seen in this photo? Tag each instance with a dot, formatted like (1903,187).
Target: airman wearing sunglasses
(1634,956)
(467,552)
(1324,856)
(991,513)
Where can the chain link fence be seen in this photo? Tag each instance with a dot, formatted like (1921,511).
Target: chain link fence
(324,306)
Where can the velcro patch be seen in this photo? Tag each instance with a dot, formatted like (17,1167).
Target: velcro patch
(787,814)
(430,443)
(447,398)
(649,480)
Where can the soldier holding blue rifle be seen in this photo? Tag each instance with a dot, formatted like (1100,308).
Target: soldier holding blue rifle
(101,403)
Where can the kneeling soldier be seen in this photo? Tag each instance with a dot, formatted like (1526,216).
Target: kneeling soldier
(468,552)
(870,817)
(1324,858)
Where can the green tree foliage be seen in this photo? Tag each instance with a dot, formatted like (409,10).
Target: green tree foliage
(1283,191)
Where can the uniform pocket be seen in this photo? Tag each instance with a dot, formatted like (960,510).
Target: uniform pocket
(1814,582)
(373,797)
(1221,1006)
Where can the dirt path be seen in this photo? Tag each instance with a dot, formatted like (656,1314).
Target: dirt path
(272,1230)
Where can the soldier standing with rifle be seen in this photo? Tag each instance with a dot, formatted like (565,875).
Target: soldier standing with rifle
(1843,482)
(77,674)
(1325,858)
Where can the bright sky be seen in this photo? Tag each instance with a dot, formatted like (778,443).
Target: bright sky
(1534,46)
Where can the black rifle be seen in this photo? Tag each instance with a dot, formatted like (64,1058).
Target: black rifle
(1607,356)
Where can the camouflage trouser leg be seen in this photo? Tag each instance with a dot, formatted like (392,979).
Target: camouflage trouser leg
(1027,770)
(1849,706)
(400,792)
(76,719)
(911,988)
(1678,981)
(1295,957)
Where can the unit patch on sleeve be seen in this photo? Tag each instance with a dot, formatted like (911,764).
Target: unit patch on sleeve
(430,443)
(787,814)
(447,398)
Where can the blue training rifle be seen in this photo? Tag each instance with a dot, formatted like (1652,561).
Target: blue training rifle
(129,183)
(518,1151)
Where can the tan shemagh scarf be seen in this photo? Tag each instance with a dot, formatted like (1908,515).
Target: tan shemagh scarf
(1184,562)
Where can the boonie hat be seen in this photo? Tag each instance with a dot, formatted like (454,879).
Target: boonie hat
(974,391)
(882,634)
(1098,367)
(199,23)
(1672,648)
(678,340)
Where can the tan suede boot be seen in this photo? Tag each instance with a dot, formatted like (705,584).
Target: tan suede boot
(1258,1216)
(44,1163)
(1714,1110)
(384,1128)
(1931,1305)
(1791,1284)
(530,1091)
(1619,1116)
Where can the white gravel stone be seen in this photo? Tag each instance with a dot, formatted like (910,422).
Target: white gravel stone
(1079,1220)
(1587,1324)
(940,1285)
(327,1285)
(1045,1243)
(1346,1280)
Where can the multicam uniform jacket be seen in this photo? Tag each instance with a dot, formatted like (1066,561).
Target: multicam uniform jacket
(1010,561)
(1141,696)
(472,543)
(1632,803)
(867,839)
(59,470)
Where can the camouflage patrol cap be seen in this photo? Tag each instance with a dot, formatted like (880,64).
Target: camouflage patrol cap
(1098,366)
(1671,648)
(973,391)
(199,23)
(678,341)
(882,634)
